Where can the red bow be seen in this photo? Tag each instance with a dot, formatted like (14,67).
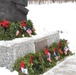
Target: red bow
(54,49)
(46,51)
(22,24)
(31,57)
(59,44)
(21,64)
(4,23)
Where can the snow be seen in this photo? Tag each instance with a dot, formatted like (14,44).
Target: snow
(12,42)
(4,71)
(48,18)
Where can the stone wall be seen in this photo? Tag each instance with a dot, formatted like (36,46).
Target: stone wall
(46,40)
(11,50)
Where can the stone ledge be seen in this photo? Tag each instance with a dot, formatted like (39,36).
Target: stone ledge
(11,50)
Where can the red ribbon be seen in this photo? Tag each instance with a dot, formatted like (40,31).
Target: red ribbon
(23,23)
(31,57)
(21,64)
(54,49)
(46,51)
(4,23)
(59,44)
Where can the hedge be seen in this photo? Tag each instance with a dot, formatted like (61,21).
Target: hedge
(12,30)
(40,63)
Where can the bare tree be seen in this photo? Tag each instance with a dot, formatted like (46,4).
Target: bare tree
(53,1)
(44,1)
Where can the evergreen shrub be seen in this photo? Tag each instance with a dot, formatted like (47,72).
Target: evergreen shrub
(12,30)
(40,63)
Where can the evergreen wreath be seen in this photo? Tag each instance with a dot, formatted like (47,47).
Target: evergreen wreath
(12,30)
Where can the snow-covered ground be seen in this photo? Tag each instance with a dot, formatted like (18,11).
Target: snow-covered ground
(4,71)
(51,17)
(48,18)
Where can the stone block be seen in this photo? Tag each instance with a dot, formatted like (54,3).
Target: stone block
(11,50)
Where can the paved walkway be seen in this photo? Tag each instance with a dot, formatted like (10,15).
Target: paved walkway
(67,67)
